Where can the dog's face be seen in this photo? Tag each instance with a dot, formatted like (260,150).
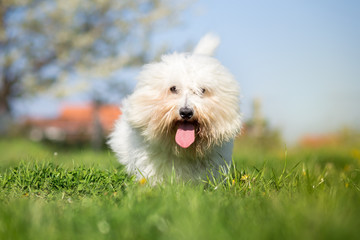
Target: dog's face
(186,101)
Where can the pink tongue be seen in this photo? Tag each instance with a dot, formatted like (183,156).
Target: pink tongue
(185,135)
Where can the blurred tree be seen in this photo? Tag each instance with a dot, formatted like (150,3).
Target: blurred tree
(44,42)
(257,130)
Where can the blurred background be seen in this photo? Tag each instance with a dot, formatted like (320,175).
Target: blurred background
(66,65)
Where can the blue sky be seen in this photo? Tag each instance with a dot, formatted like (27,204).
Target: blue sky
(301,58)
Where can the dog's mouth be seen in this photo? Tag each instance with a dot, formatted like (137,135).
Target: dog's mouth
(185,134)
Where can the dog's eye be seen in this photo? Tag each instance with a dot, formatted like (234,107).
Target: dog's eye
(203,90)
(173,89)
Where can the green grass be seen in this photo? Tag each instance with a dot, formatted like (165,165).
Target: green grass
(268,194)
(15,150)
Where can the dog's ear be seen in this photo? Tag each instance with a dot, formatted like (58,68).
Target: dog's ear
(207,45)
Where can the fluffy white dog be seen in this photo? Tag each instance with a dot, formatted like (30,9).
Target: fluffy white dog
(181,119)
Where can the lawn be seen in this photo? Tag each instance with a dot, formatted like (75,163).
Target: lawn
(56,192)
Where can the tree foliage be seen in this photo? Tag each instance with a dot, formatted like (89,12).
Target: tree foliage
(42,42)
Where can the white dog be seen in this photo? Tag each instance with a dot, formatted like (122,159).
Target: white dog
(181,119)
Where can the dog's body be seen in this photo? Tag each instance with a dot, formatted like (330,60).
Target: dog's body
(182,117)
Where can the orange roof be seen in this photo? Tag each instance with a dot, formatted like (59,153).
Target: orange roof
(81,117)
(108,115)
(76,113)
(319,141)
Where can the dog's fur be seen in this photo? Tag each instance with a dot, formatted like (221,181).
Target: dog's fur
(144,136)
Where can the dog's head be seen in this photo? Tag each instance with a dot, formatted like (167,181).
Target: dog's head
(188,100)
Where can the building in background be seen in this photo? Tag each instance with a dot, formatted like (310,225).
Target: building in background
(75,124)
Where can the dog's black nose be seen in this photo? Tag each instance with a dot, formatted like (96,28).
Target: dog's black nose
(186,113)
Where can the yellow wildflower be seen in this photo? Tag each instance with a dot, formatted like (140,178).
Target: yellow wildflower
(355,154)
(346,167)
(244,177)
(142,181)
